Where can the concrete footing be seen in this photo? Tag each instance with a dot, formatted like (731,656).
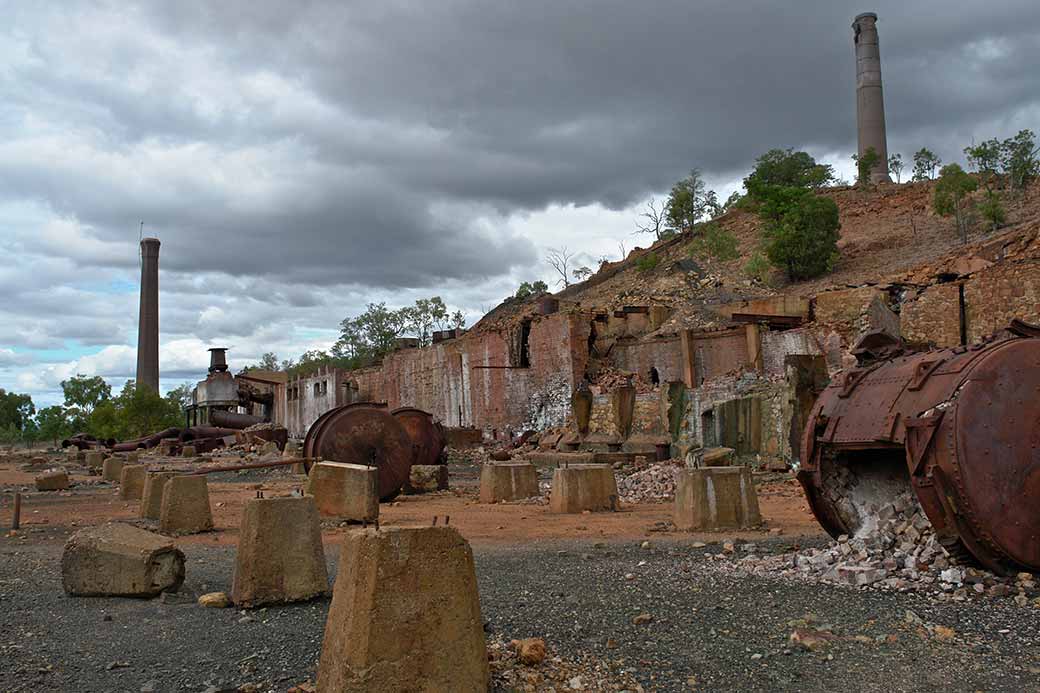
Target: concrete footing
(426,478)
(280,556)
(405,615)
(94,459)
(581,487)
(716,498)
(112,468)
(119,560)
(151,496)
(347,491)
(185,505)
(131,482)
(559,459)
(54,480)
(508,481)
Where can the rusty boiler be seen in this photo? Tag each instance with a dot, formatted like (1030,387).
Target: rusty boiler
(960,426)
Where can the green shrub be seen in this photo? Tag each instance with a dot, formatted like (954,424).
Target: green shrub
(647,262)
(757,267)
(715,242)
(804,242)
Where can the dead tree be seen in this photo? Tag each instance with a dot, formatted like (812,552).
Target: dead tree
(559,259)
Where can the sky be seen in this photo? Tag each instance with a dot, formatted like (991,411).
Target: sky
(301,160)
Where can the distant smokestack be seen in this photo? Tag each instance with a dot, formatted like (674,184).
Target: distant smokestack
(870,104)
(148,321)
(217,360)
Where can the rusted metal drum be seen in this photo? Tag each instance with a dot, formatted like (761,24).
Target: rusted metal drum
(963,423)
(363,435)
(427,435)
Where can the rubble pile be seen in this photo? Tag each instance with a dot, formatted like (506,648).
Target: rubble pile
(528,665)
(653,484)
(899,552)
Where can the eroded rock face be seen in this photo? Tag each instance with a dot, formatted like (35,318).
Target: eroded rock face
(405,615)
(119,560)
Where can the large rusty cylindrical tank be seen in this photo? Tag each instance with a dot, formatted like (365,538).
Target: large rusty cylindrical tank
(360,433)
(427,435)
(961,426)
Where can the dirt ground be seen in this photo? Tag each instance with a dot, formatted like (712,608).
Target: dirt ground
(579,581)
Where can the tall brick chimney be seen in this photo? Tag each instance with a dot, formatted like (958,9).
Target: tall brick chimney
(148,321)
(870,104)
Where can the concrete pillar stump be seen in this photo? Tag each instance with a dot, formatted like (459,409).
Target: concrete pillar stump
(280,556)
(94,459)
(54,480)
(112,468)
(119,560)
(348,491)
(581,487)
(716,498)
(185,506)
(131,482)
(508,481)
(427,478)
(151,496)
(405,615)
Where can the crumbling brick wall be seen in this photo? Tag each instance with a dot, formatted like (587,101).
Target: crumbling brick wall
(663,354)
(1000,293)
(932,316)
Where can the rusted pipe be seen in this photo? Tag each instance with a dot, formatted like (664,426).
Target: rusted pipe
(232,419)
(16,520)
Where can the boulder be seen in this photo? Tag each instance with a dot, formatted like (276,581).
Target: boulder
(580,487)
(347,491)
(54,480)
(119,560)
(185,505)
(280,556)
(405,615)
(426,478)
(131,481)
(713,498)
(112,468)
(508,481)
(151,496)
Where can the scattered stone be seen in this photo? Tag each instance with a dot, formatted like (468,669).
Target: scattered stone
(530,650)
(642,619)
(215,600)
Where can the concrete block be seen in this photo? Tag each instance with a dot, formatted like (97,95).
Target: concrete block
(280,556)
(112,468)
(151,496)
(556,459)
(426,478)
(348,491)
(185,505)
(188,451)
(54,480)
(405,615)
(131,481)
(508,481)
(717,457)
(716,498)
(94,459)
(133,457)
(119,560)
(581,487)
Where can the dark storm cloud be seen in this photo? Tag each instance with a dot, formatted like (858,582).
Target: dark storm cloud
(355,122)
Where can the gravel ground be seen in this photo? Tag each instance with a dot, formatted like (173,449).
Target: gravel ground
(709,628)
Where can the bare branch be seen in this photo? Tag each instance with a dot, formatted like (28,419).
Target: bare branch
(559,259)
(653,219)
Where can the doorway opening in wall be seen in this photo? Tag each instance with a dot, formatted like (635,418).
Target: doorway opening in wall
(708,437)
(525,344)
(655,377)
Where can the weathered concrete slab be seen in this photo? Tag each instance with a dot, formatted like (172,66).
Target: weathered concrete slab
(405,615)
(426,478)
(555,459)
(151,496)
(713,498)
(131,481)
(508,481)
(112,468)
(185,506)
(581,487)
(119,560)
(348,491)
(280,556)
(53,480)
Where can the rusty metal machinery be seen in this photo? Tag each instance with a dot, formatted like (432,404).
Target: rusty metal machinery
(362,433)
(427,435)
(961,426)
